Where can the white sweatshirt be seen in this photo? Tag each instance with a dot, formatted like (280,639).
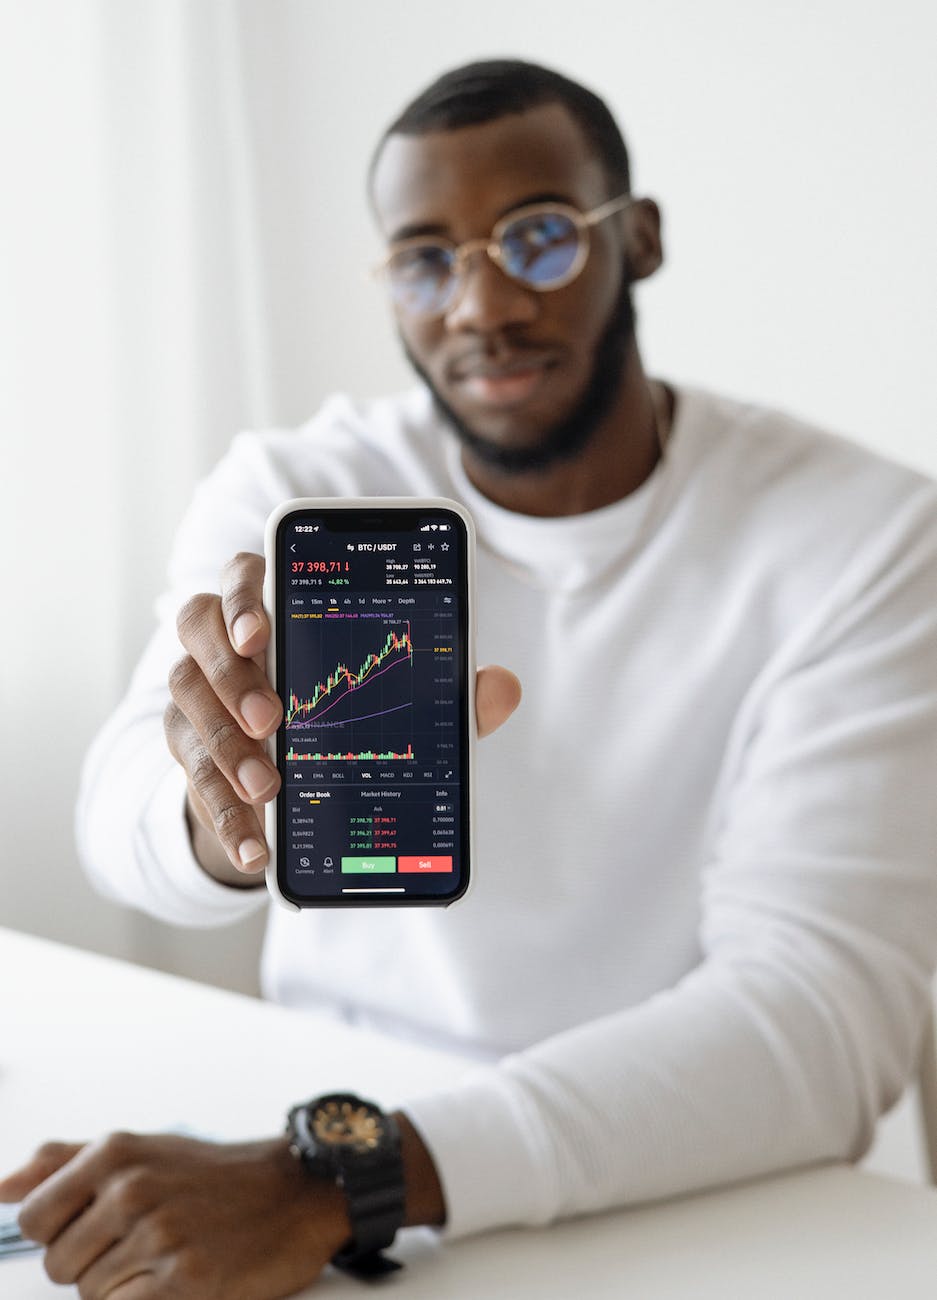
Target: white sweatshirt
(704,920)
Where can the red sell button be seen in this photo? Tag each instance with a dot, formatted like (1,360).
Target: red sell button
(424,864)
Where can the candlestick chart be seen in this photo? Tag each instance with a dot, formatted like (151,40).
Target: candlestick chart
(359,706)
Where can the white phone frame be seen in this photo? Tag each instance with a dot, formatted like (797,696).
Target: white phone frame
(468,798)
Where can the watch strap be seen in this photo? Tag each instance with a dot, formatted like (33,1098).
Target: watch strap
(375,1196)
(373,1264)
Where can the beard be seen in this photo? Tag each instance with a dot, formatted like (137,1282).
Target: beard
(564,440)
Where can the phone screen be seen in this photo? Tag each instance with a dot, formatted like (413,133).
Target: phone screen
(372,641)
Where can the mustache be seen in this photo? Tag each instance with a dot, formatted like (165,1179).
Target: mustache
(487,361)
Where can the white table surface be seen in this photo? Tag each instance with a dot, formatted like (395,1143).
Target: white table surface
(88,1044)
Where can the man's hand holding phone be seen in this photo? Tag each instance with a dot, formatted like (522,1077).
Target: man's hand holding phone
(223,709)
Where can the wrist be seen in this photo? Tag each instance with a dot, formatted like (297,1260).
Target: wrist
(322,1223)
(424,1202)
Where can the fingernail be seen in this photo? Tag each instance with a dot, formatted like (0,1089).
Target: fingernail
(252,855)
(256,778)
(245,625)
(259,712)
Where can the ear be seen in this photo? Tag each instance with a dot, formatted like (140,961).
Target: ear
(643,238)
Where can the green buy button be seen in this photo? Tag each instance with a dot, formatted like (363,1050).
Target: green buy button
(367,866)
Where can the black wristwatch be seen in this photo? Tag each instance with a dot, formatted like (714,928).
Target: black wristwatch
(352,1143)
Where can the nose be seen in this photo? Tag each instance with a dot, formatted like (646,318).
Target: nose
(488,300)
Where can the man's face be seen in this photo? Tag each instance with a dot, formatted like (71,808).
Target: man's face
(524,375)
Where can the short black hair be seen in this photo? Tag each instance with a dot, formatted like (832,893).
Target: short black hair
(482,91)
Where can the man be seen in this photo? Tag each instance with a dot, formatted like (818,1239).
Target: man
(701,939)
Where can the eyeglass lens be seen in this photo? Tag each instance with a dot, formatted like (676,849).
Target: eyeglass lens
(540,247)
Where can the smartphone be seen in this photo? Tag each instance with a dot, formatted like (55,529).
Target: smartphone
(371,606)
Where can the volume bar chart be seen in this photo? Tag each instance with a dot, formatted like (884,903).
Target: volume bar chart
(292,756)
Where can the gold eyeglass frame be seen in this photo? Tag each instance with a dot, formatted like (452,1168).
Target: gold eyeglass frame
(583,221)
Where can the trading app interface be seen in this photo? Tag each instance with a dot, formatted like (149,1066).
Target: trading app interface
(371,671)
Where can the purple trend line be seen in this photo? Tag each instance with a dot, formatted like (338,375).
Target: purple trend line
(298,726)
(351,689)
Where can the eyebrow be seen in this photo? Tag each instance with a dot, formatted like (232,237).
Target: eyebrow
(437,230)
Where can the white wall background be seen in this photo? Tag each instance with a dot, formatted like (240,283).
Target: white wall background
(183,236)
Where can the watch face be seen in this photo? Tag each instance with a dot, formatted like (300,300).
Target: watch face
(345,1124)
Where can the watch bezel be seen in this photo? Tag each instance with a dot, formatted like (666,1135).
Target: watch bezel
(310,1139)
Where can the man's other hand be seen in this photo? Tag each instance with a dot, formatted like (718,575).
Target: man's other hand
(139,1218)
(223,709)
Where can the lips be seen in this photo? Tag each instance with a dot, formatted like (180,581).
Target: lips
(503,381)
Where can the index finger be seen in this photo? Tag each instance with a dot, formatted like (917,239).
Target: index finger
(242,581)
(17,1185)
(49,1209)
(33,1179)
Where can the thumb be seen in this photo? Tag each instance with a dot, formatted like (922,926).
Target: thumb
(497,695)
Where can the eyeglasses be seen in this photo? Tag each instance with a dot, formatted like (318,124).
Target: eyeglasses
(542,246)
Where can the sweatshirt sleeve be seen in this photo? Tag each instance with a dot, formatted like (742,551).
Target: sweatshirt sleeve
(131,829)
(803,1021)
